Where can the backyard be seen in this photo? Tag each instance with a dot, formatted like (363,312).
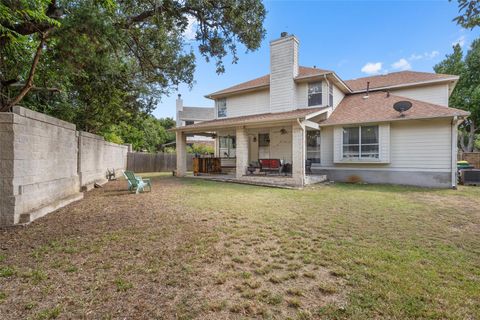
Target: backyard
(209,250)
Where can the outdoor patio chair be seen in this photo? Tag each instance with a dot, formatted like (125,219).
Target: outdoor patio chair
(137,183)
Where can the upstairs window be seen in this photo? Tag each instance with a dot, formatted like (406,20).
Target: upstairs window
(314,94)
(330,95)
(360,142)
(189,122)
(221,107)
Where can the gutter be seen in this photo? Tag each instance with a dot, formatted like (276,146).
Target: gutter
(411,84)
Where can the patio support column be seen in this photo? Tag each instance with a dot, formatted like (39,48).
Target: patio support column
(298,154)
(181,143)
(241,152)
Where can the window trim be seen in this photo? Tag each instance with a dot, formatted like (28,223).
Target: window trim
(320,83)
(330,95)
(360,144)
(217,102)
(318,146)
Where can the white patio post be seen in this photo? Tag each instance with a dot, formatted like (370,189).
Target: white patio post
(181,154)
(241,152)
(298,154)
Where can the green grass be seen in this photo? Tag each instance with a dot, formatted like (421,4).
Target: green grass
(199,249)
(389,251)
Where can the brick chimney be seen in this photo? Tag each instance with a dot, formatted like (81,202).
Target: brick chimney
(283,70)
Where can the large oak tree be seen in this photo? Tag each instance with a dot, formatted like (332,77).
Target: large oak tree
(99,63)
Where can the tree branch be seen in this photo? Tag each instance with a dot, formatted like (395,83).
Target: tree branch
(29,84)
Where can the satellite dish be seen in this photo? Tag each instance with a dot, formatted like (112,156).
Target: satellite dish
(402,106)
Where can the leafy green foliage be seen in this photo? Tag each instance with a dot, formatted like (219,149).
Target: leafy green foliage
(469,13)
(466,94)
(200,148)
(105,64)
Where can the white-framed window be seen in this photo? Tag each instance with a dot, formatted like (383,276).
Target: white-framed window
(360,142)
(330,95)
(221,107)
(228,145)
(314,94)
(313,146)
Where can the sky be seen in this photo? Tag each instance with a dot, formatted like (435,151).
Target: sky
(352,38)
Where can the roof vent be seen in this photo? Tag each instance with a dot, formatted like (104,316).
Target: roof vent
(402,106)
(283,34)
(368,90)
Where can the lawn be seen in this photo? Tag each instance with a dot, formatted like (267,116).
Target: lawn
(211,250)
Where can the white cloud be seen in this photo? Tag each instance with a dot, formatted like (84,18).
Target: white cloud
(425,55)
(402,65)
(460,41)
(432,54)
(191,29)
(372,68)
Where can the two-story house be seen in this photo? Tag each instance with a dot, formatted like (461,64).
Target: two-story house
(315,123)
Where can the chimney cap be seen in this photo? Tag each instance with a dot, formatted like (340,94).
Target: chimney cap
(283,34)
(179,95)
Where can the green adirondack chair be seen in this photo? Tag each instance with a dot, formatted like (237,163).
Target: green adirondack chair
(137,183)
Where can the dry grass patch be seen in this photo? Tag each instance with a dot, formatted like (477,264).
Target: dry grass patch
(195,249)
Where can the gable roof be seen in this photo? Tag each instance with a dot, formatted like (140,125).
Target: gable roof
(264,81)
(378,107)
(397,79)
(254,118)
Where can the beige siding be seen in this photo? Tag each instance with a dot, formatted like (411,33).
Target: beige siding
(326,146)
(421,144)
(302,95)
(248,103)
(283,68)
(280,144)
(413,145)
(436,94)
(337,96)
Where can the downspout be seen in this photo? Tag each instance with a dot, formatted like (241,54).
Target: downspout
(454,138)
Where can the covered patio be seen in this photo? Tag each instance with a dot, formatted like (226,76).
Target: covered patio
(264,149)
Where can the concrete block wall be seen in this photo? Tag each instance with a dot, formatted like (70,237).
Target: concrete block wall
(40,164)
(95,156)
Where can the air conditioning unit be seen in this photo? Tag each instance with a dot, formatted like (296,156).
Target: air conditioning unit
(471,177)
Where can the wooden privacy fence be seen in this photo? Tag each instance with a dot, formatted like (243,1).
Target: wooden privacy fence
(472,157)
(154,162)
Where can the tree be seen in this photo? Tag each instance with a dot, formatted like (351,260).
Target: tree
(469,13)
(466,94)
(106,63)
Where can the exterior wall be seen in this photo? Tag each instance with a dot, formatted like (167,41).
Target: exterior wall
(419,151)
(248,103)
(197,113)
(95,156)
(40,164)
(338,96)
(302,95)
(413,178)
(280,144)
(436,94)
(283,68)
